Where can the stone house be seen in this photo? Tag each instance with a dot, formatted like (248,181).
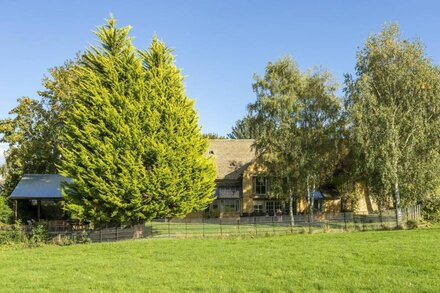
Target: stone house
(242,186)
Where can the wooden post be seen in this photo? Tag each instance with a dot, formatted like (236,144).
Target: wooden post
(15,210)
(345,221)
(238,227)
(255,224)
(273,226)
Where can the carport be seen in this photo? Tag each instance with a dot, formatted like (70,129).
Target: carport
(38,187)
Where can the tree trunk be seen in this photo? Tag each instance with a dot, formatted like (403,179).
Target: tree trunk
(397,204)
(292,219)
(309,199)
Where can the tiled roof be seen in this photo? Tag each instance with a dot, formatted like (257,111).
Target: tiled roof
(232,156)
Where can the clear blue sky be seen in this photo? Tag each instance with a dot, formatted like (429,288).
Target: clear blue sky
(219,44)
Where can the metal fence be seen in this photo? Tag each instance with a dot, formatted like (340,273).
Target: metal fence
(236,227)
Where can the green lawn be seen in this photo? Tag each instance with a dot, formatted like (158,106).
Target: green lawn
(388,261)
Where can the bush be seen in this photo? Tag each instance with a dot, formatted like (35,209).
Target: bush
(412,224)
(431,209)
(13,234)
(38,234)
(5,211)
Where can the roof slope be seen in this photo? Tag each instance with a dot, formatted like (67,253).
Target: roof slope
(39,186)
(232,156)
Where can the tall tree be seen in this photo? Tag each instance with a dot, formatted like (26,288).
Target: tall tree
(181,178)
(131,140)
(34,133)
(103,140)
(301,118)
(27,136)
(394,105)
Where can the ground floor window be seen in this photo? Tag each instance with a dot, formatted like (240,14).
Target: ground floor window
(226,205)
(267,207)
(272,207)
(258,208)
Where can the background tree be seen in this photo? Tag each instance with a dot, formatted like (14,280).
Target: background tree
(394,104)
(212,135)
(245,129)
(181,178)
(27,137)
(34,133)
(5,211)
(300,115)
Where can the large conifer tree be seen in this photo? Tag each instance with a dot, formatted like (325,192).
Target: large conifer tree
(181,178)
(133,144)
(104,142)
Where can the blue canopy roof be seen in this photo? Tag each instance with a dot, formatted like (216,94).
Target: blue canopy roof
(39,186)
(317,195)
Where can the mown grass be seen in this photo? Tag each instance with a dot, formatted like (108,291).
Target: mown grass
(379,261)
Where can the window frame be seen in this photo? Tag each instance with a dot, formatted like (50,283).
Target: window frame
(257,185)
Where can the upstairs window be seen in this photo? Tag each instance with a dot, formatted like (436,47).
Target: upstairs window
(259,185)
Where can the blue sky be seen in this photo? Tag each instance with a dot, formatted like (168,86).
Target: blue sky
(218,44)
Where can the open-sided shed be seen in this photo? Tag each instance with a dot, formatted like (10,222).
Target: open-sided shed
(39,187)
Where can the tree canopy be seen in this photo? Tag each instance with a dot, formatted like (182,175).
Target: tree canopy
(132,142)
(393,103)
(300,116)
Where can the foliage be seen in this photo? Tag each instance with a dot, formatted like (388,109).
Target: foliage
(301,118)
(245,129)
(132,141)
(103,139)
(38,234)
(29,150)
(412,224)
(431,209)
(213,135)
(180,178)
(5,210)
(394,103)
(34,133)
(13,234)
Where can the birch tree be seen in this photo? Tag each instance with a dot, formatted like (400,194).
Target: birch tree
(393,102)
(300,115)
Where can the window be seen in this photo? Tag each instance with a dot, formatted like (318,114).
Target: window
(272,207)
(230,205)
(259,185)
(258,208)
(228,192)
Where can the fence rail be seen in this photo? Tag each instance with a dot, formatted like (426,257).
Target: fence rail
(235,227)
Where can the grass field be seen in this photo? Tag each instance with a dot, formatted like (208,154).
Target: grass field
(381,261)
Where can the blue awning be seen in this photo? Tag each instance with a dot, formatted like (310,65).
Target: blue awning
(317,195)
(40,186)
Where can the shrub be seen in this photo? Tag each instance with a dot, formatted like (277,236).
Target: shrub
(38,234)
(431,209)
(13,234)
(412,224)
(5,211)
